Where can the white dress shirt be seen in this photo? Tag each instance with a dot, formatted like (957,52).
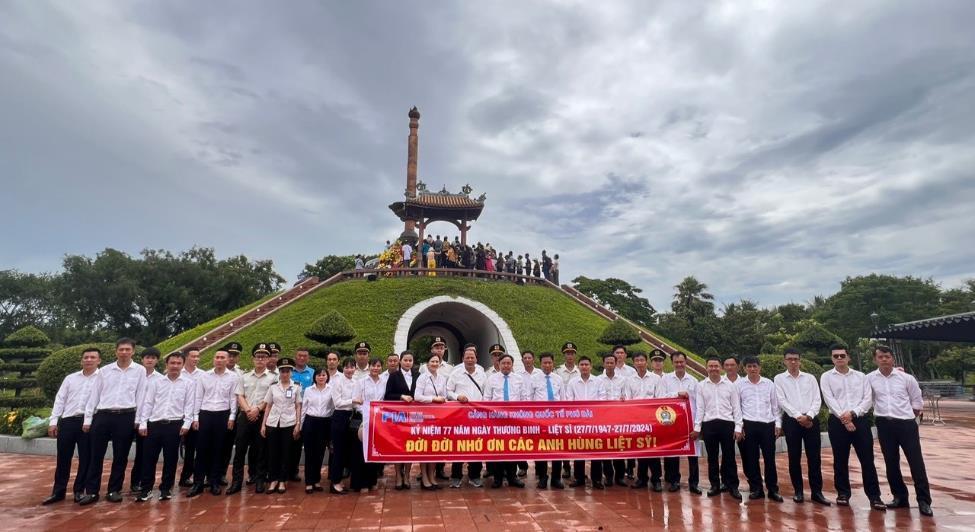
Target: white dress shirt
(368,390)
(717,401)
(282,401)
(72,396)
(645,387)
(584,390)
(195,375)
(759,401)
(116,388)
(625,371)
(169,399)
(446,369)
(317,403)
(672,385)
(462,382)
(343,391)
(896,395)
(566,373)
(216,392)
(428,387)
(408,376)
(494,387)
(846,392)
(798,396)
(614,389)
(360,373)
(538,390)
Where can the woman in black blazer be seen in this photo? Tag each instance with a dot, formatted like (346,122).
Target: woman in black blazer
(398,389)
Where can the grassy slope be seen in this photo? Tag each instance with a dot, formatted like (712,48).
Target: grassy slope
(171,344)
(540,318)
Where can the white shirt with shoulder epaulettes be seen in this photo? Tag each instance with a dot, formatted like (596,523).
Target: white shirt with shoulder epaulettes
(566,373)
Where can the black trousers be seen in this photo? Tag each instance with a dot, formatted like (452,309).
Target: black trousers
(541,471)
(339,458)
(613,470)
(651,464)
(118,428)
(163,436)
(719,436)
(759,439)
(504,470)
(70,436)
(279,452)
(473,470)
(227,452)
(579,470)
(209,447)
(630,466)
(897,434)
(672,470)
(861,440)
(313,432)
(136,475)
(189,455)
(250,446)
(296,447)
(796,436)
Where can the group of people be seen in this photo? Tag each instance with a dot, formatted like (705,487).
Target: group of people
(434,252)
(267,416)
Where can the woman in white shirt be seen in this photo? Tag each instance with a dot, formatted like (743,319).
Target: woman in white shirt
(282,410)
(343,392)
(316,413)
(364,476)
(431,388)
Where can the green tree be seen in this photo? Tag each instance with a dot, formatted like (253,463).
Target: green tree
(743,328)
(328,266)
(25,299)
(618,332)
(619,296)
(692,301)
(953,363)
(331,329)
(815,339)
(711,352)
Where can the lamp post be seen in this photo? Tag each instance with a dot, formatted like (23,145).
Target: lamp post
(875,318)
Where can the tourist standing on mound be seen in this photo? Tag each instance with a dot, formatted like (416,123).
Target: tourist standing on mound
(407,251)
(555,269)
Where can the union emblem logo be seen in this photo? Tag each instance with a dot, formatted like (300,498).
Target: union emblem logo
(666,415)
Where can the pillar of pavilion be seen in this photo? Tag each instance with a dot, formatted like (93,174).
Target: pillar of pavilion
(421,207)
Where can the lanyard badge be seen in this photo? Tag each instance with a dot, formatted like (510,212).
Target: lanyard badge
(290,393)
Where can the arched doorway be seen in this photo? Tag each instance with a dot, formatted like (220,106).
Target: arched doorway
(460,321)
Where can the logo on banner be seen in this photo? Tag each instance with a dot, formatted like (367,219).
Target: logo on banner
(666,415)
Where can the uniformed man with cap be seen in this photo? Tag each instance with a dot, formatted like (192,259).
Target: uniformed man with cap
(233,355)
(439,348)
(274,351)
(495,362)
(251,390)
(657,358)
(568,371)
(362,351)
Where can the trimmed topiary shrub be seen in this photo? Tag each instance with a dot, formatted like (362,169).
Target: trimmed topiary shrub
(28,336)
(330,329)
(23,351)
(619,332)
(66,361)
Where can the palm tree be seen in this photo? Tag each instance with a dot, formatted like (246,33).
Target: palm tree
(691,299)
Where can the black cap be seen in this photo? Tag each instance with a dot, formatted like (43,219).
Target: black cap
(261,348)
(568,346)
(273,347)
(286,363)
(438,340)
(656,353)
(496,348)
(150,352)
(232,347)
(363,345)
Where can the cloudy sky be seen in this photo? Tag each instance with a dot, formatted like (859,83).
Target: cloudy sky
(769,149)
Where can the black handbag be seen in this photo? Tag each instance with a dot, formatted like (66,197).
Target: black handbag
(355,422)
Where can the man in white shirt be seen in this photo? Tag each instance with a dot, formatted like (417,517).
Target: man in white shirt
(717,421)
(526,372)
(110,415)
(568,371)
(216,412)
(150,357)
(439,348)
(849,399)
(626,372)
(505,386)
(643,385)
(67,416)
(191,370)
(762,424)
(466,384)
(250,446)
(897,401)
(227,451)
(657,358)
(165,416)
(585,387)
(546,385)
(680,384)
(407,251)
(613,386)
(362,352)
(799,399)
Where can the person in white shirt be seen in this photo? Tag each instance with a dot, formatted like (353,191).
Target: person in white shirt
(643,385)
(362,352)
(216,412)
(343,442)
(150,357)
(249,445)
(622,368)
(526,372)
(657,358)
(613,389)
(466,384)
(431,387)
(110,416)
(798,394)
(568,371)
(280,427)
(392,367)
(316,417)
(165,416)
(585,387)
(439,348)
(897,401)
(546,385)
(407,251)
(717,421)
(67,416)
(848,398)
(505,386)
(191,370)
(363,475)
(762,424)
(680,384)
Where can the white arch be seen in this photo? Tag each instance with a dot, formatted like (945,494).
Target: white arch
(402,336)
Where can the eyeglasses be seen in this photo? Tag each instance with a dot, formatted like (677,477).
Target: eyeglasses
(839,356)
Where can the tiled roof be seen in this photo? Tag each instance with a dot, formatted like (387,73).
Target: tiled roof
(953,328)
(454,201)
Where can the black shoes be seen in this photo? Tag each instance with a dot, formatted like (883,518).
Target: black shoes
(799,498)
(755,495)
(56,497)
(259,487)
(656,487)
(925,509)
(714,492)
(774,495)
(878,505)
(842,500)
(195,490)
(597,485)
(542,483)
(235,487)
(215,489)
(333,491)
(143,496)
(557,485)
(78,496)
(817,497)
(898,503)
(185,482)
(135,489)
(515,483)
(113,496)
(639,484)
(695,489)
(88,499)
(165,495)
(673,487)
(577,483)
(735,494)
(494,485)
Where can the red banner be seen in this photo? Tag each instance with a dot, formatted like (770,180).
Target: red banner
(527,430)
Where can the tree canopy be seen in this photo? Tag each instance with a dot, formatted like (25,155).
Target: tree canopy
(619,296)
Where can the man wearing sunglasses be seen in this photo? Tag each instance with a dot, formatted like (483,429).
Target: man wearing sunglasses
(849,398)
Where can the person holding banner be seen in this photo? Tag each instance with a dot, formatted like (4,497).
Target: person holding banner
(612,385)
(657,358)
(568,371)
(343,392)
(680,384)
(465,384)
(585,387)
(717,420)
(363,475)
(643,385)
(431,387)
(401,386)
(546,385)
(505,386)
